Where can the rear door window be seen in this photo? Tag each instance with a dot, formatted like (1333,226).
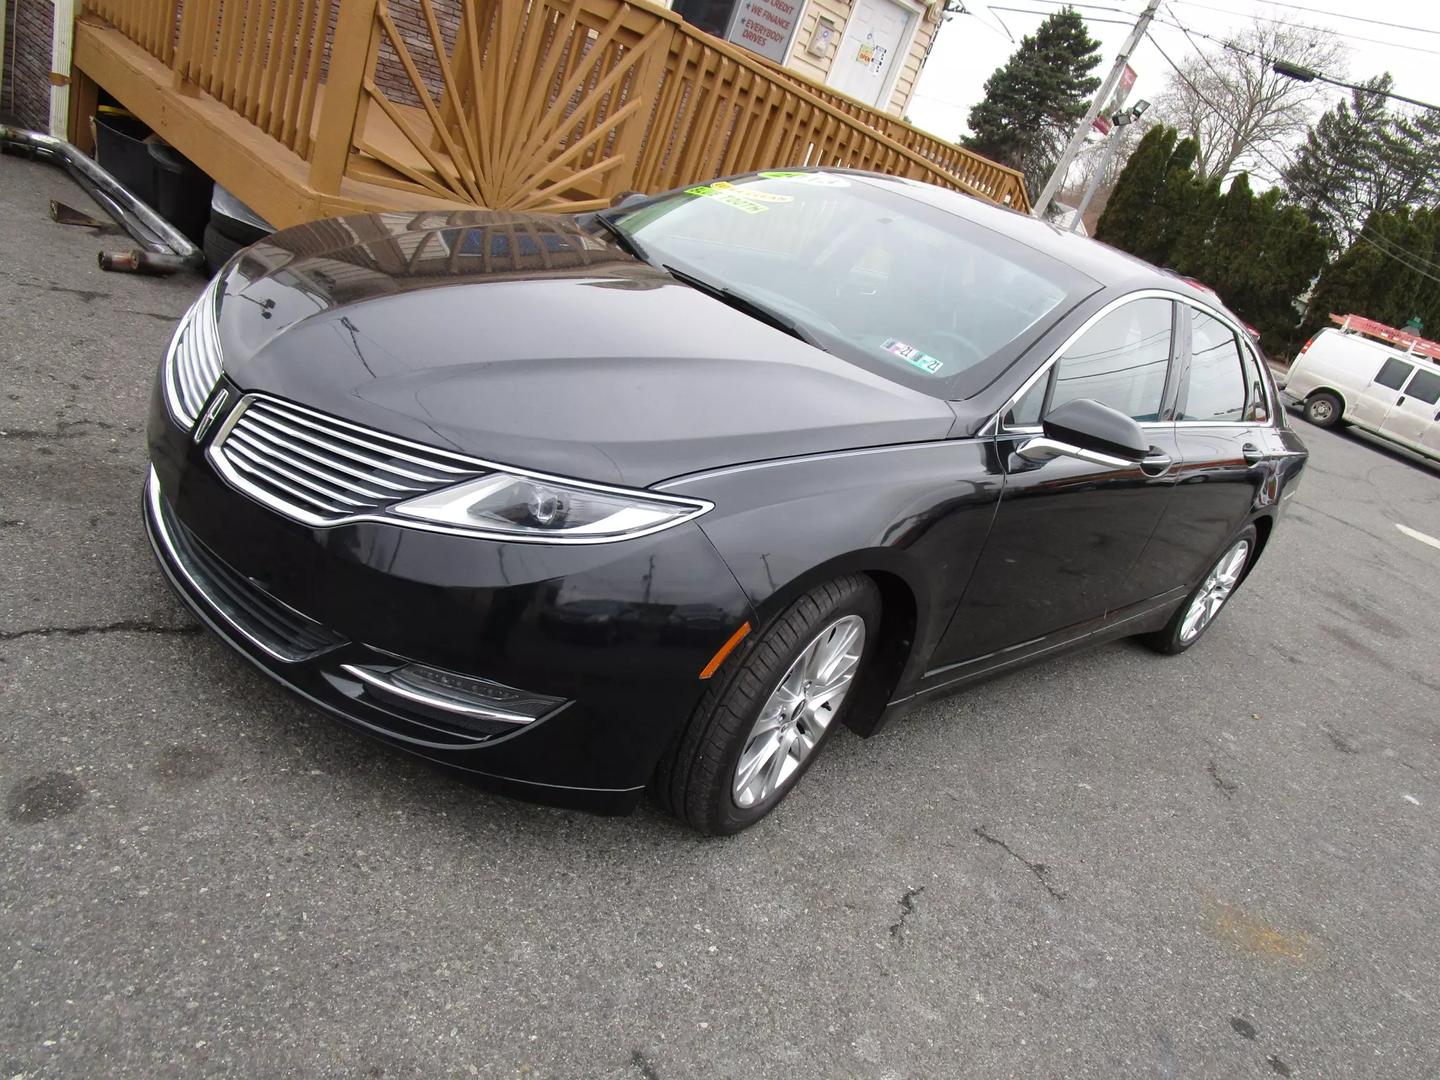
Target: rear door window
(1393,375)
(1425,386)
(1257,405)
(1121,361)
(1216,388)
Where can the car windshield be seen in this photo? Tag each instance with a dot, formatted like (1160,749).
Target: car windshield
(926,297)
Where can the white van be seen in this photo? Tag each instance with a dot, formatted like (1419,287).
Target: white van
(1341,376)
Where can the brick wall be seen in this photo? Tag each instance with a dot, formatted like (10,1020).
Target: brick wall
(25,92)
(390,74)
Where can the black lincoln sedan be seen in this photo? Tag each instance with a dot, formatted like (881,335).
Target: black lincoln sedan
(655,498)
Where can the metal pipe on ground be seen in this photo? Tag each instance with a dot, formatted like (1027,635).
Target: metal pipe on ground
(165,248)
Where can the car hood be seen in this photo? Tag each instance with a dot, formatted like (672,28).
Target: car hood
(526,340)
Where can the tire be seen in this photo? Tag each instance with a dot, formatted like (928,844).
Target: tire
(696,780)
(1178,635)
(218,249)
(242,232)
(1323,409)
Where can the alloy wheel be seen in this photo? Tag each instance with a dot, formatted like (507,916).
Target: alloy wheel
(1215,590)
(799,710)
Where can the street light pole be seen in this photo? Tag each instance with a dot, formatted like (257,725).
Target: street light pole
(1108,155)
(1112,147)
(1042,204)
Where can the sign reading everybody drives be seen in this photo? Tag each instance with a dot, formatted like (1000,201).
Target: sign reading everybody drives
(765,26)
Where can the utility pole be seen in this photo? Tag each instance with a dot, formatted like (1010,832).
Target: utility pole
(1042,204)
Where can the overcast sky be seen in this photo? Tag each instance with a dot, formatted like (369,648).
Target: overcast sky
(970,47)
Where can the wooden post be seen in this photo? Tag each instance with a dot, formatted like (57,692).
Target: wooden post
(84,97)
(350,59)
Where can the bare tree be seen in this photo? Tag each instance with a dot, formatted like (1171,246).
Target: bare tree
(1238,108)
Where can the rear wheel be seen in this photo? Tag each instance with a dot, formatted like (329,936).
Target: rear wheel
(1200,608)
(761,726)
(1323,409)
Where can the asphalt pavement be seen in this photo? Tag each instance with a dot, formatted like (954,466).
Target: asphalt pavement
(1223,864)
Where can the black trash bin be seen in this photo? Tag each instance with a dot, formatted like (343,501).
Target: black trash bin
(154,171)
(182,191)
(120,148)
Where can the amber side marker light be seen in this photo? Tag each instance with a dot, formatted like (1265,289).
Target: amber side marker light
(725,650)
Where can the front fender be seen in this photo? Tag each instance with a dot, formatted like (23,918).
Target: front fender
(916,515)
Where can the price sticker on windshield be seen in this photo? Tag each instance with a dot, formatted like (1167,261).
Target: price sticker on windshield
(914,357)
(728,198)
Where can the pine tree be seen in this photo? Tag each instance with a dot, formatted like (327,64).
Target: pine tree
(1123,222)
(1230,256)
(1361,158)
(1197,223)
(1033,101)
(1390,273)
(1178,193)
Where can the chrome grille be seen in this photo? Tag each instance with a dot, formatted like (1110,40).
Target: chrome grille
(192,365)
(321,470)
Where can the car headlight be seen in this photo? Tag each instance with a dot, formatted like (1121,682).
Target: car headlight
(541,508)
(192,363)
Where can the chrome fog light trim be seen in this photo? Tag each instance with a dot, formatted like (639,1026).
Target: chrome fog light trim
(448,691)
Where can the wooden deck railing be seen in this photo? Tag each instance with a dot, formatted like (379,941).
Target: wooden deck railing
(525,104)
(263,60)
(998,182)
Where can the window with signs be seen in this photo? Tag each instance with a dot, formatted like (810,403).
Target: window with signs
(1121,361)
(1425,386)
(1216,388)
(1393,375)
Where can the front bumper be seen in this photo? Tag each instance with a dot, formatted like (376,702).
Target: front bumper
(617,632)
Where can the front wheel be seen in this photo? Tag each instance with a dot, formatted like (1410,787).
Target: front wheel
(1200,608)
(1323,410)
(761,726)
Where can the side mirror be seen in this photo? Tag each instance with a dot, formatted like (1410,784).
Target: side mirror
(1089,431)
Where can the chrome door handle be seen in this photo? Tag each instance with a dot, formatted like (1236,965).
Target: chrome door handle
(1155,463)
(1253,454)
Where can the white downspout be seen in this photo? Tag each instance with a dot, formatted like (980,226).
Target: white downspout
(62,48)
(2,51)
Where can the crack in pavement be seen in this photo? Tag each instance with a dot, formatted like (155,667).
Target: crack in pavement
(1226,787)
(908,904)
(1038,869)
(123,626)
(87,295)
(68,429)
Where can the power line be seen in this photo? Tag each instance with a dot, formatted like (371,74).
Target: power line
(1090,7)
(1271,3)
(1329,14)
(1307,75)
(1047,14)
(1288,22)
(1293,71)
(1399,254)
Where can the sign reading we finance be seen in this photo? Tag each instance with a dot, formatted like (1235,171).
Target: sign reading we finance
(765,26)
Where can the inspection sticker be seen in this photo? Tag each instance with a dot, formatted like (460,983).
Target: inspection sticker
(726,198)
(924,361)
